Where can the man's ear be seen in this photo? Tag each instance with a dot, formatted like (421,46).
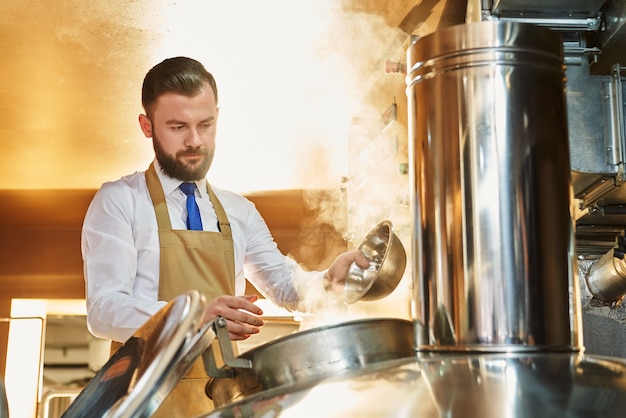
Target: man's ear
(146,125)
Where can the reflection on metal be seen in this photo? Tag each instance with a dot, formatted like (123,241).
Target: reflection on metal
(479,385)
(494,256)
(140,375)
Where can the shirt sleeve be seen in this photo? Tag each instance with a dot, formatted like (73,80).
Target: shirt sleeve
(114,309)
(276,276)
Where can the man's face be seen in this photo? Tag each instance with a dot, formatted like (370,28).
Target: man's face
(183,131)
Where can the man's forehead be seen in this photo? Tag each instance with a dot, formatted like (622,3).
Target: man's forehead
(174,105)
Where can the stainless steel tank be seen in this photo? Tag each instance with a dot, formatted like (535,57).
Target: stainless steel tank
(488,144)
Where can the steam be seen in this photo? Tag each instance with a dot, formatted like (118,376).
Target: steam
(291,75)
(319,306)
(294,80)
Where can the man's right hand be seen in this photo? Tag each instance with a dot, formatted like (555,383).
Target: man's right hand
(240,313)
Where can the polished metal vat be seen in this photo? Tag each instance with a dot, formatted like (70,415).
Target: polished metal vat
(488,146)
(546,385)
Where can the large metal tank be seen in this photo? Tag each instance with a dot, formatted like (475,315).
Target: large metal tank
(491,190)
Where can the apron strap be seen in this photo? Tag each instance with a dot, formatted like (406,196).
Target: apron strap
(158,198)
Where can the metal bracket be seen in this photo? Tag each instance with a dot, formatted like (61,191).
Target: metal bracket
(597,191)
(226,350)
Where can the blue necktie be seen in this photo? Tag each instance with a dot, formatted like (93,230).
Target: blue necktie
(194,222)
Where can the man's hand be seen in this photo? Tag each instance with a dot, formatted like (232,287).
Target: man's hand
(241,314)
(335,278)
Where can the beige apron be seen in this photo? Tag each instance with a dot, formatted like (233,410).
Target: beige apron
(198,260)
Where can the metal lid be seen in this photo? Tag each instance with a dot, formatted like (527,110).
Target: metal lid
(140,375)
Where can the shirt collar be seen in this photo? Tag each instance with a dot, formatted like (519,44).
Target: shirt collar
(170,184)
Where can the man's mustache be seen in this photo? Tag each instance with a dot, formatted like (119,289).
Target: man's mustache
(194,152)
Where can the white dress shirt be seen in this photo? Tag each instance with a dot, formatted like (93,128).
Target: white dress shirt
(121,253)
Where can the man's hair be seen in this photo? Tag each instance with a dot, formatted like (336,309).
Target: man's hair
(180,75)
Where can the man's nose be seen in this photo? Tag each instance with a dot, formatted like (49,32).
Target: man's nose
(194,138)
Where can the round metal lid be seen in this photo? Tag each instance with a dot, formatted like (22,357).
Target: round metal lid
(137,378)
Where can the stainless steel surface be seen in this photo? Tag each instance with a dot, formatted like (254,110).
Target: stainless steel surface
(141,374)
(387,258)
(315,354)
(549,385)
(491,185)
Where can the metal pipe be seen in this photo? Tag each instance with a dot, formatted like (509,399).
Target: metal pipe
(606,278)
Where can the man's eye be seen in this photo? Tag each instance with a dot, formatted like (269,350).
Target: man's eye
(178,127)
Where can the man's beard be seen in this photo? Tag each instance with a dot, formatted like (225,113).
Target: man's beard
(175,168)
